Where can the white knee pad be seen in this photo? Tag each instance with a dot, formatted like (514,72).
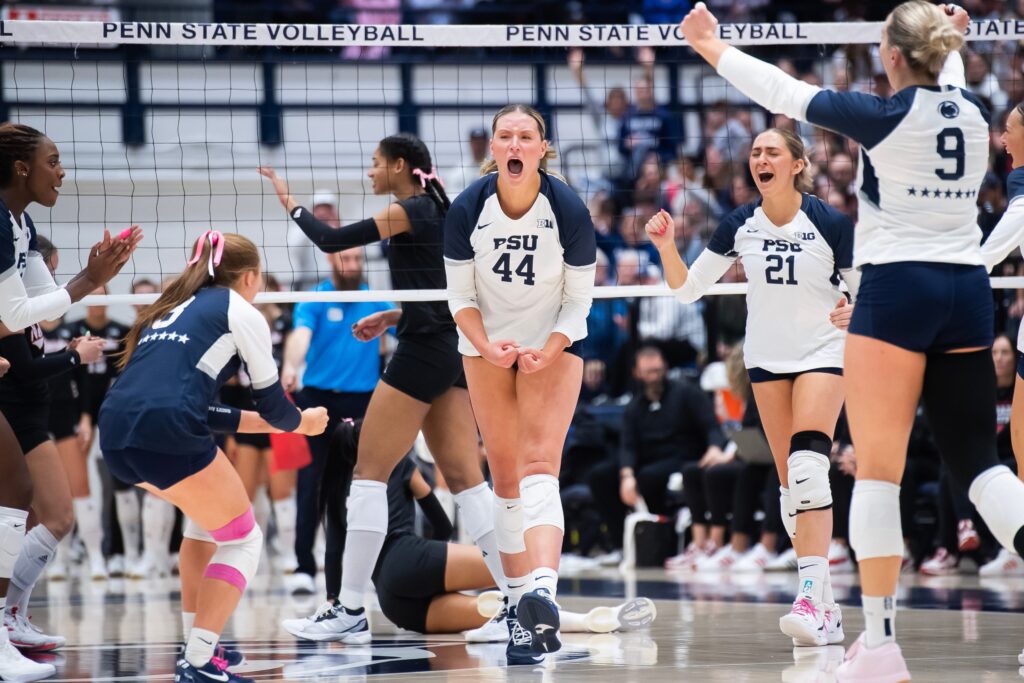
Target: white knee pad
(875,525)
(195,532)
(809,488)
(367,506)
(999,497)
(236,561)
(508,525)
(542,503)
(12,537)
(476,507)
(787,511)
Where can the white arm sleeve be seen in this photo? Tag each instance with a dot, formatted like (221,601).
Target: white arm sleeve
(577,295)
(251,335)
(37,278)
(851,276)
(461,277)
(18,310)
(1006,236)
(705,271)
(953,71)
(768,85)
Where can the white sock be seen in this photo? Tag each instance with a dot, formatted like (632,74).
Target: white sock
(187,619)
(367,527)
(812,571)
(476,517)
(200,646)
(261,507)
(87,514)
(827,596)
(518,586)
(157,524)
(128,516)
(572,622)
(879,620)
(37,551)
(285,512)
(546,578)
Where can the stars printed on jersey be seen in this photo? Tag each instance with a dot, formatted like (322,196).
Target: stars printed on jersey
(938,193)
(165,336)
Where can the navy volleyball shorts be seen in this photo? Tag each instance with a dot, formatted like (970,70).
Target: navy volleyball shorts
(925,307)
(162,470)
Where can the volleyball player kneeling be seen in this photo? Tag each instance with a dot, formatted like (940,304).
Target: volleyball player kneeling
(156,422)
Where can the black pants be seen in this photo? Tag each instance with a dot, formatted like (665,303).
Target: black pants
(710,491)
(339,406)
(757,488)
(842,494)
(651,483)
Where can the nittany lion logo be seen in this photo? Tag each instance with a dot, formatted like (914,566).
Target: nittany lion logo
(949,109)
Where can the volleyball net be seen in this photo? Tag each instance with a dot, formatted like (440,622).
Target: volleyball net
(164,125)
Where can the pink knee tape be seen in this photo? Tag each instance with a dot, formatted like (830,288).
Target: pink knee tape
(226,573)
(237,528)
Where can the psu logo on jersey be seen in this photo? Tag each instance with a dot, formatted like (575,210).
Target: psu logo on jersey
(949,109)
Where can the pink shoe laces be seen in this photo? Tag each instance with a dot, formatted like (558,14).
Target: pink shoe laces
(805,608)
(219,664)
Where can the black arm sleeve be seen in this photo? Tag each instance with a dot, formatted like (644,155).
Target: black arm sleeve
(15,348)
(437,517)
(223,419)
(330,239)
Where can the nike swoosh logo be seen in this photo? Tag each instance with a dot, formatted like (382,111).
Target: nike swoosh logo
(484,552)
(516,586)
(481,226)
(800,481)
(208,642)
(18,526)
(806,567)
(510,507)
(543,628)
(792,514)
(223,677)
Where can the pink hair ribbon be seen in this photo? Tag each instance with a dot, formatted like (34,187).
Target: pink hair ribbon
(426,177)
(216,238)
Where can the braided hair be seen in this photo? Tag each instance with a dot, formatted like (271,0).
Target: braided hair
(18,142)
(409,147)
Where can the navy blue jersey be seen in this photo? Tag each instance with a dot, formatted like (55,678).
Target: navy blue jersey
(162,399)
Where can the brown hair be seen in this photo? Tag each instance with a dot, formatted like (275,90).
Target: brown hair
(240,256)
(490,165)
(804,181)
(18,142)
(924,34)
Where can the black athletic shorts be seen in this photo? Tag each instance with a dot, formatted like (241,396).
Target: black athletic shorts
(410,575)
(30,423)
(64,417)
(260,441)
(426,366)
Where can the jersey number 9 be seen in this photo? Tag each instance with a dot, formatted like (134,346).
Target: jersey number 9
(949,143)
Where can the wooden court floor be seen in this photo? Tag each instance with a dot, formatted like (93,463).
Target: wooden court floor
(709,628)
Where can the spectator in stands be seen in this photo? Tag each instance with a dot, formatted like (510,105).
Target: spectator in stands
(631,228)
(983,83)
(606,111)
(686,187)
(841,172)
(676,328)
(666,424)
(647,188)
(469,171)
(646,127)
(724,130)
(607,332)
(371,12)
(340,374)
(665,11)
(303,256)
(606,225)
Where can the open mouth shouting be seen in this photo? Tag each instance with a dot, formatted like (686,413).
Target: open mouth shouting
(765,177)
(515,167)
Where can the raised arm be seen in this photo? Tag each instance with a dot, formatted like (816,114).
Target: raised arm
(687,284)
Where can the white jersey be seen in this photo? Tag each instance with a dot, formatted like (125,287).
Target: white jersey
(793,274)
(530,276)
(923,154)
(1009,231)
